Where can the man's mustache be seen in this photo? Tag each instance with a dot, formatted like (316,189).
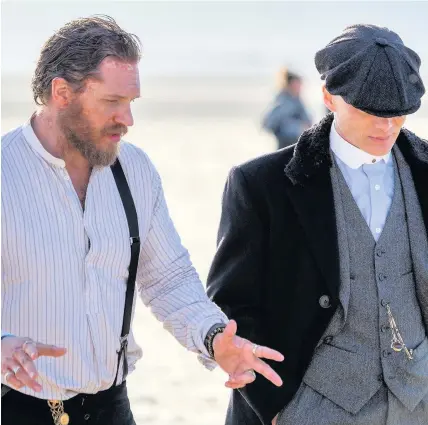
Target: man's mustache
(116,129)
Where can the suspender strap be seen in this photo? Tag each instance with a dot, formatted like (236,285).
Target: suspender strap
(134,240)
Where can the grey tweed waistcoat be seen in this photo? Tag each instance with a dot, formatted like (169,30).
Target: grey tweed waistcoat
(354,359)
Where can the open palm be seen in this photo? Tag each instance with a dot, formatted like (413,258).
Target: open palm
(239,358)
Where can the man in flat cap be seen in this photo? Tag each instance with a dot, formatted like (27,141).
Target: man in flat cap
(323,251)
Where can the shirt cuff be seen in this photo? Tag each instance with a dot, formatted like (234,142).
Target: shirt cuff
(205,326)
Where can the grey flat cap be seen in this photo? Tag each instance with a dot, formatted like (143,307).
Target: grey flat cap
(372,69)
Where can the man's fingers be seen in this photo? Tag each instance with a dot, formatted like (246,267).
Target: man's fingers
(241,380)
(230,329)
(264,369)
(12,381)
(10,365)
(23,377)
(30,349)
(50,350)
(26,363)
(268,353)
(244,378)
(232,386)
(16,376)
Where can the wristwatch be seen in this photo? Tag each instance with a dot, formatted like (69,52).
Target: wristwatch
(209,339)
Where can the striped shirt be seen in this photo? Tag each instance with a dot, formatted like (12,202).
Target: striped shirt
(64,269)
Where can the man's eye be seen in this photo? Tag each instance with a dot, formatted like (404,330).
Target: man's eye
(112,100)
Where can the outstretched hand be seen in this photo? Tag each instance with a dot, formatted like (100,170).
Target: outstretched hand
(17,360)
(240,358)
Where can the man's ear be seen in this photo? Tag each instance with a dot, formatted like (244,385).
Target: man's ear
(328,99)
(61,92)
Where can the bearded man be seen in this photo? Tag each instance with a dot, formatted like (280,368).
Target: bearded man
(82,226)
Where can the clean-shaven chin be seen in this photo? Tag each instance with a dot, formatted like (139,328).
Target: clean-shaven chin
(380,145)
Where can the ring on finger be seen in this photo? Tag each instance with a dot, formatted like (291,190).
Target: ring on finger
(21,356)
(28,341)
(251,371)
(255,346)
(16,369)
(7,374)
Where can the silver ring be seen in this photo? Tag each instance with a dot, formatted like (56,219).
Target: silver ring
(255,346)
(28,341)
(15,370)
(7,374)
(252,373)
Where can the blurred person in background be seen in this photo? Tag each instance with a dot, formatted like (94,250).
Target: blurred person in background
(323,250)
(287,118)
(84,221)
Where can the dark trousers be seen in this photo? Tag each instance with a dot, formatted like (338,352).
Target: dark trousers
(110,407)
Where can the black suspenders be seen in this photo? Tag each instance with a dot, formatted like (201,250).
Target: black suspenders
(134,240)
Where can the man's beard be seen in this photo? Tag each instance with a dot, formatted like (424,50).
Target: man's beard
(81,136)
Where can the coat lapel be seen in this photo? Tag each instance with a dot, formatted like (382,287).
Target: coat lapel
(311,193)
(411,179)
(415,152)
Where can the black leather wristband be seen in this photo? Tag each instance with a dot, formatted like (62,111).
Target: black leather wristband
(209,339)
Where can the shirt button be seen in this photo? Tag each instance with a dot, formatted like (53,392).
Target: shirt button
(377,187)
(378,230)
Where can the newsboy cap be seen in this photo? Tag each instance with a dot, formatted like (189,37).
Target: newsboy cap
(372,70)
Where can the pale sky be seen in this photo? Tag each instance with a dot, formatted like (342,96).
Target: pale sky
(187,38)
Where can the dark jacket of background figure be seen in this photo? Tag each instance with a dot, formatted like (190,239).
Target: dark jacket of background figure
(278,255)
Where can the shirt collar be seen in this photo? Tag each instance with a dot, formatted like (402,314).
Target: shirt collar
(34,142)
(352,156)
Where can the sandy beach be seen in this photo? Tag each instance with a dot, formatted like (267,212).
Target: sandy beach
(194,131)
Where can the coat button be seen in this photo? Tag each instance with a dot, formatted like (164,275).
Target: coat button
(325,301)
(87,416)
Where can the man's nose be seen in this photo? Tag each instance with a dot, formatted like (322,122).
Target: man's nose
(384,124)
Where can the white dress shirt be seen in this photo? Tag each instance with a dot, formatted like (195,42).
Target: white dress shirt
(64,269)
(370,179)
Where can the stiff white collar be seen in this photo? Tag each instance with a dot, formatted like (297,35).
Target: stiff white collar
(352,156)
